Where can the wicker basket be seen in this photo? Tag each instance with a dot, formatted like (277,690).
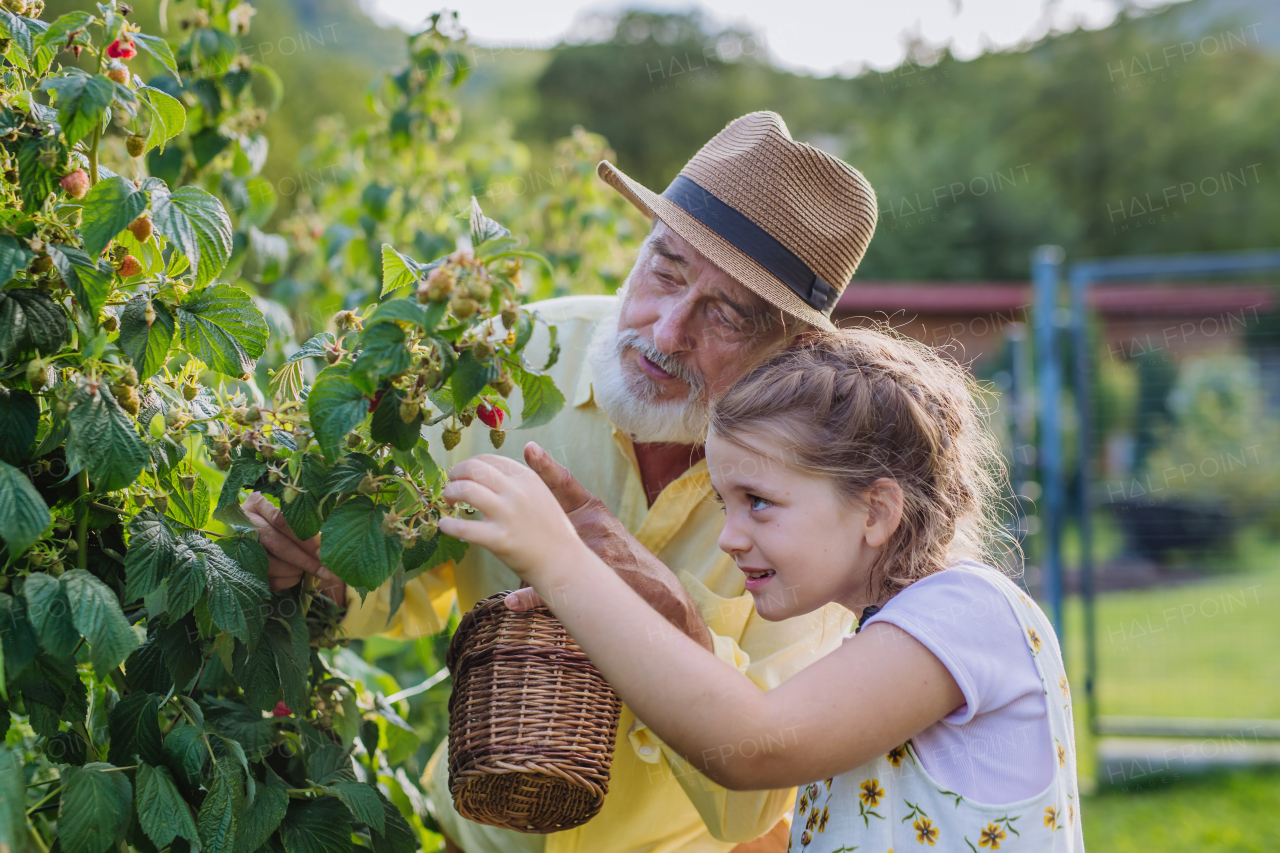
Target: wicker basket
(531,722)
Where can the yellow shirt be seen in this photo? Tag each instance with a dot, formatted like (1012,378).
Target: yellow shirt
(656,803)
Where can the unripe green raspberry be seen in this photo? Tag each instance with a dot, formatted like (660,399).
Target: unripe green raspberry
(451,438)
(497,436)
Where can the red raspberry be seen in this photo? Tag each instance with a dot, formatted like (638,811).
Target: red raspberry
(122,49)
(281,710)
(490,416)
(76,184)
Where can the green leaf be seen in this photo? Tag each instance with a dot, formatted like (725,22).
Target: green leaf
(190,508)
(186,582)
(244,471)
(95,808)
(219,812)
(397,270)
(108,208)
(255,672)
(13,799)
(38,181)
(15,27)
(303,514)
(134,725)
(399,836)
(346,474)
(353,546)
(17,636)
(336,407)
(223,328)
(246,551)
(50,613)
(147,346)
(30,321)
(185,754)
(198,225)
(316,826)
(23,513)
(363,803)
(483,228)
(241,723)
(407,310)
(542,400)
(159,48)
(103,440)
(13,257)
(262,818)
(152,550)
(162,811)
(235,596)
(90,281)
(330,763)
(19,424)
(97,615)
(470,377)
(183,652)
(387,427)
(383,351)
(168,116)
(62,28)
(82,100)
(55,683)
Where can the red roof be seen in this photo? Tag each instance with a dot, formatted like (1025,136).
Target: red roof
(994,297)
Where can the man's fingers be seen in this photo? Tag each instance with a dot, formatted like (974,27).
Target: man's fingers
(568,491)
(257,503)
(282,575)
(523,599)
(285,549)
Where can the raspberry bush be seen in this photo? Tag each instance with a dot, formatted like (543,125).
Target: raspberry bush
(154,692)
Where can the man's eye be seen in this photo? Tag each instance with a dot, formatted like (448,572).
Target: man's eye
(758,503)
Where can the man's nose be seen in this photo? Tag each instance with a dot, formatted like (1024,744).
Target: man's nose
(673,332)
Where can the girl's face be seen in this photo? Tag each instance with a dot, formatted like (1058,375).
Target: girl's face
(799,541)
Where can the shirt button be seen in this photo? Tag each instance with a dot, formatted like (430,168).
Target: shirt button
(645,750)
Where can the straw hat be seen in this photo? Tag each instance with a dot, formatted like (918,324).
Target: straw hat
(787,220)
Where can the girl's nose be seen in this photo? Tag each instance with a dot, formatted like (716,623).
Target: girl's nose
(733,540)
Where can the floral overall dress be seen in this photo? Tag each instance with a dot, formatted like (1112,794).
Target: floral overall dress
(893,804)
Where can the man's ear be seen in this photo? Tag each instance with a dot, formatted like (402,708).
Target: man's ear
(884,511)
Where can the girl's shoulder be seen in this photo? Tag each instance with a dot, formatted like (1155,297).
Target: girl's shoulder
(959,594)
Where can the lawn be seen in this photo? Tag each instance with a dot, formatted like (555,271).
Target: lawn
(1203,649)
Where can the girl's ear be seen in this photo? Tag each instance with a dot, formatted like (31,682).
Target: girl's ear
(884,511)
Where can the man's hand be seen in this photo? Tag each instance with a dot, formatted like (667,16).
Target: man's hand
(290,558)
(612,543)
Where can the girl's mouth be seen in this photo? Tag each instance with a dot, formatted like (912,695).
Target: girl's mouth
(757,579)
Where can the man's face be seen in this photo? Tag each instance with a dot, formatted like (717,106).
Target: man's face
(689,310)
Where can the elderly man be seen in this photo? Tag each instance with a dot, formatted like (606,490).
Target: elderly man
(750,246)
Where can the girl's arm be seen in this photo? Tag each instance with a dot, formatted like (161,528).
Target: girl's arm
(867,697)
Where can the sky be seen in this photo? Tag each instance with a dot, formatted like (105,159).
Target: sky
(814,36)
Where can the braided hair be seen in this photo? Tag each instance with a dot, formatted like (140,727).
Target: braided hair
(861,404)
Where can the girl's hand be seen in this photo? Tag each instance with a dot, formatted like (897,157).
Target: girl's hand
(523,523)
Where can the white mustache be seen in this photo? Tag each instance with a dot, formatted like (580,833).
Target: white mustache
(630,338)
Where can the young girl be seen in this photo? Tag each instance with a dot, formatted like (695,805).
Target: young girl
(853,469)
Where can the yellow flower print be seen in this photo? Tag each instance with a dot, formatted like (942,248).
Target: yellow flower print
(1051,817)
(812,820)
(1035,641)
(897,754)
(1062,685)
(1071,813)
(926,832)
(1062,756)
(822,821)
(828,782)
(992,835)
(871,792)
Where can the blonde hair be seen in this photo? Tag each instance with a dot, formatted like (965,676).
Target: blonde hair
(860,404)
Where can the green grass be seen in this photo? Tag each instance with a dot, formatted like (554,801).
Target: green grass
(1203,649)
(1229,812)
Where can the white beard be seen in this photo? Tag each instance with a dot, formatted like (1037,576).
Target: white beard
(628,396)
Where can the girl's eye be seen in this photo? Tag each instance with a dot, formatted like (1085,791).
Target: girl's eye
(758,503)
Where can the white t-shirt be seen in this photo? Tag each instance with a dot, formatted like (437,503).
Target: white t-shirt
(995,748)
